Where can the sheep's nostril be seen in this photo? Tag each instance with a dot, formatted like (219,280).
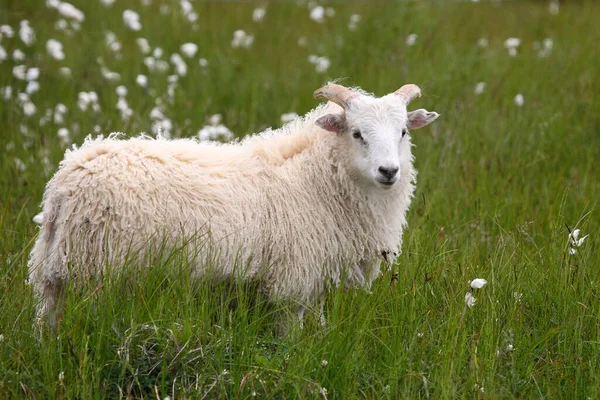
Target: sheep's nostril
(388,172)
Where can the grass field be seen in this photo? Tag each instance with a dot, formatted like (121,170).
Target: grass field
(501,184)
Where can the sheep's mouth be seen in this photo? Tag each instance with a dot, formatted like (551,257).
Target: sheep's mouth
(386,183)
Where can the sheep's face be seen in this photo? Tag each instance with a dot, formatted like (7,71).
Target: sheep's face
(375,131)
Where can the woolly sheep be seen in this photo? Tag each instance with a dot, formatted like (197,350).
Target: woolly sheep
(322,198)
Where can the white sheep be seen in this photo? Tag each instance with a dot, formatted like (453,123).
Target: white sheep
(322,198)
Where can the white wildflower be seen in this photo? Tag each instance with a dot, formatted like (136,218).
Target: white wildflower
(20,164)
(186,7)
(68,10)
(302,41)
(63,134)
(110,75)
(142,80)
(55,49)
(61,25)
(203,62)
(317,14)
(189,49)
(29,109)
(478,283)
(121,91)
(26,33)
(479,87)
(509,347)
(107,3)
(482,42)
(546,48)
(132,20)
(180,65)
(1,338)
(112,42)
(7,31)
(163,128)
(32,87)
(575,241)
(3,54)
(321,63)
(18,55)
(330,12)
(215,119)
(157,52)
(469,299)
(519,100)
(215,131)
(353,23)
(33,74)
(324,363)
(411,39)
(323,393)
(512,44)
(65,72)
(143,45)
(61,376)
(554,7)
(59,114)
(258,14)
(288,117)
(7,93)
(156,114)
(241,39)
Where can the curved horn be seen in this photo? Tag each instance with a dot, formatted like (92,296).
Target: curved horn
(408,92)
(337,93)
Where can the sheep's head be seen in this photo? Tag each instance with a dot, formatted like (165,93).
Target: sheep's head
(376,128)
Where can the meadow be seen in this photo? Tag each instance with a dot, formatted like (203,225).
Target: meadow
(506,175)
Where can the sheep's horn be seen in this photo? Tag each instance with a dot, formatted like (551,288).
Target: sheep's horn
(408,92)
(339,94)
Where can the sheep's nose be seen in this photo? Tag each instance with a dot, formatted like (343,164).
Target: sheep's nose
(388,172)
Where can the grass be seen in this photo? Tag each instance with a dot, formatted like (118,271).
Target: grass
(499,188)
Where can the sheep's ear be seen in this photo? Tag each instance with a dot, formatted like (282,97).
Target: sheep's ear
(420,118)
(332,122)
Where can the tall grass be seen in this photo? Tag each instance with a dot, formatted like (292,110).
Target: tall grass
(499,189)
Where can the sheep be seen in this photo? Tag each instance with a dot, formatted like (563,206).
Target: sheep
(318,201)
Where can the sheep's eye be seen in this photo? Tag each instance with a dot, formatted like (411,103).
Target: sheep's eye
(356,135)
(404,132)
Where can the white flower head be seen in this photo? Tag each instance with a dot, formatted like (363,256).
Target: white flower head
(189,49)
(575,240)
(142,80)
(479,87)
(241,39)
(55,49)
(18,55)
(26,33)
(478,283)
(258,14)
(411,39)
(317,14)
(482,42)
(143,45)
(68,10)
(288,117)
(132,20)
(519,100)
(353,23)
(469,299)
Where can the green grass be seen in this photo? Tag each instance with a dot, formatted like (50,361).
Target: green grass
(499,187)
